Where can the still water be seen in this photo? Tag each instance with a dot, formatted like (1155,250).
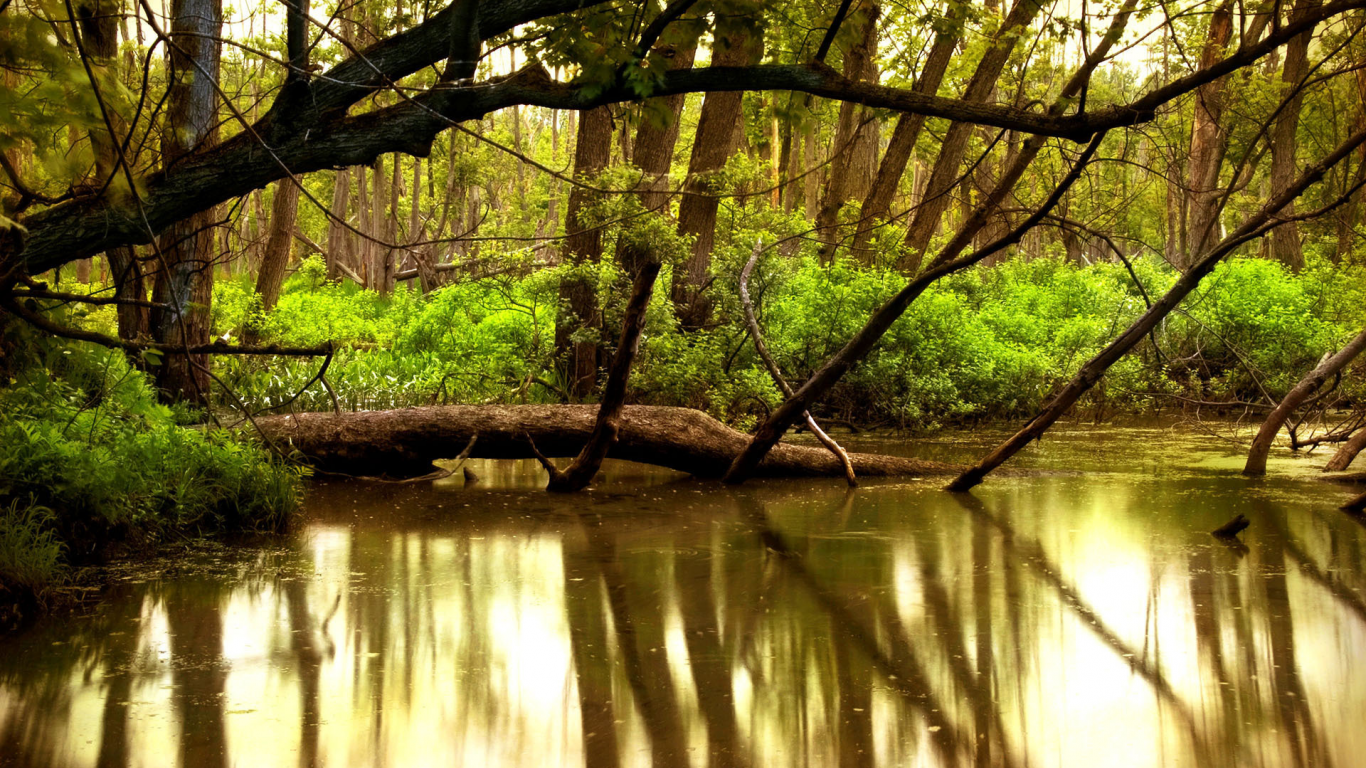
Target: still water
(1081,617)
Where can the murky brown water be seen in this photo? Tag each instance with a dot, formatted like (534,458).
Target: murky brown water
(1054,620)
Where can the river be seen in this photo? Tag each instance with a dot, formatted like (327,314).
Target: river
(1078,614)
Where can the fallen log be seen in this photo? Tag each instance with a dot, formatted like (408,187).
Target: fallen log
(404,442)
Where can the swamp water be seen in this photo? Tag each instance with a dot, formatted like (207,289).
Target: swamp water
(1084,618)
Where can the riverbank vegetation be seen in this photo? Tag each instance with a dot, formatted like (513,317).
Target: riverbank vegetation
(937,214)
(987,344)
(91,464)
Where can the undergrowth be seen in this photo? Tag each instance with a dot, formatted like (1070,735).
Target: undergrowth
(989,343)
(89,459)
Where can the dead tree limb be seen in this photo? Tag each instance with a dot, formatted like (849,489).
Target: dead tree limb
(1342,459)
(771,431)
(1256,226)
(34,318)
(1330,366)
(607,426)
(776,372)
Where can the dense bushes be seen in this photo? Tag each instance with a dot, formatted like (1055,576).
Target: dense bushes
(987,343)
(87,454)
(88,458)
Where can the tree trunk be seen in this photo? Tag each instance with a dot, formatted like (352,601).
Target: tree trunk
(185,279)
(1285,239)
(945,263)
(1209,141)
(338,236)
(364,247)
(583,245)
(713,143)
(1347,452)
(99,33)
(653,153)
(130,283)
(1092,371)
(811,178)
(954,146)
(608,423)
(284,211)
(856,137)
(1261,444)
(404,442)
(878,202)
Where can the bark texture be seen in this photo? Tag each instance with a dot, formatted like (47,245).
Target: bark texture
(404,442)
(954,146)
(583,245)
(856,138)
(1285,240)
(878,202)
(653,152)
(1209,140)
(1347,452)
(187,250)
(284,210)
(718,133)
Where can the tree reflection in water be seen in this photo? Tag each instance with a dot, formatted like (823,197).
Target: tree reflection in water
(680,623)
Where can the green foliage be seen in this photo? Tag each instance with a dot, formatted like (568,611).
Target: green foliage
(988,343)
(30,552)
(82,435)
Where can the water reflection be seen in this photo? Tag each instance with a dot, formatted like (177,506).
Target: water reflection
(1058,620)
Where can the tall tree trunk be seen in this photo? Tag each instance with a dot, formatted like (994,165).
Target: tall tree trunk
(653,153)
(284,211)
(856,138)
(379,213)
(583,245)
(185,280)
(1350,214)
(338,236)
(99,33)
(947,167)
(1285,239)
(713,143)
(1209,141)
(811,178)
(878,203)
(1261,444)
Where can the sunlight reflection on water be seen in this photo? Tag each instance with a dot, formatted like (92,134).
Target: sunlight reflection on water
(1075,620)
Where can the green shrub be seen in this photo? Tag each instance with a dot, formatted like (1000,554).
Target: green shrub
(987,343)
(30,552)
(82,435)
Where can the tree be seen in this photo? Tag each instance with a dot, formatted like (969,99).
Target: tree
(735,44)
(186,251)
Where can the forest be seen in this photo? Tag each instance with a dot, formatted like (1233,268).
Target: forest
(258,257)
